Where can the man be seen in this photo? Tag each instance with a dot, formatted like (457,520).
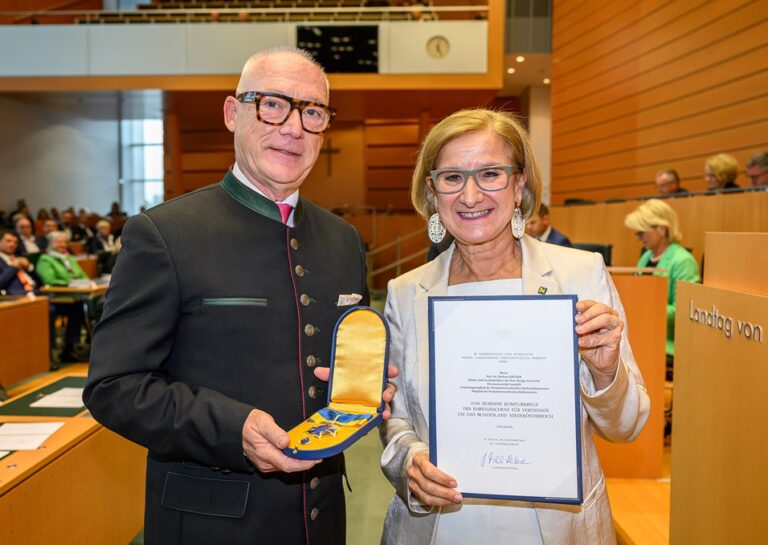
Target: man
(17,275)
(211,331)
(70,226)
(539,226)
(668,183)
(29,244)
(757,169)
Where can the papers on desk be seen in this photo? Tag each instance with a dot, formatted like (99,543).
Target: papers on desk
(26,436)
(81,283)
(4,453)
(65,398)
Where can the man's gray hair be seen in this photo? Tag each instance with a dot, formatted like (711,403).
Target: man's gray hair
(264,53)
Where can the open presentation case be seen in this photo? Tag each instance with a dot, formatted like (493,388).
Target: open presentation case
(358,378)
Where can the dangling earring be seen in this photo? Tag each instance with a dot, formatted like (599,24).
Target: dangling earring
(518,223)
(435,228)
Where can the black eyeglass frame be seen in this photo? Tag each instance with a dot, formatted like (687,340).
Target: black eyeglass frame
(254,97)
(472,173)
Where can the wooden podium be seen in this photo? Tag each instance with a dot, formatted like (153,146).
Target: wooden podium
(720,418)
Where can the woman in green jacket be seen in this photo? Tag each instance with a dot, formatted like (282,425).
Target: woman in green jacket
(56,267)
(656,225)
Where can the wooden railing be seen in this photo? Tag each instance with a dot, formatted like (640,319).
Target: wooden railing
(399,261)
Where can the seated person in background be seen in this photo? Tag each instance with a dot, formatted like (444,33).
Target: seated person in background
(49,226)
(720,172)
(117,217)
(69,225)
(539,226)
(104,245)
(757,169)
(656,225)
(56,268)
(29,244)
(42,215)
(21,210)
(86,222)
(17,275)
(668,182)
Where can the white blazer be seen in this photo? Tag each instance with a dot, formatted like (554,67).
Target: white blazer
(617,413)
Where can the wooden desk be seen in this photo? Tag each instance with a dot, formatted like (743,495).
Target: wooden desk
(640,510)
(26,351)
(85,485)
(66,290)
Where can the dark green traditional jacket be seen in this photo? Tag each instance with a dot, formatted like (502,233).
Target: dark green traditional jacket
(215,308)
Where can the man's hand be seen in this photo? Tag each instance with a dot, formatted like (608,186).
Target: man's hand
(263,442)
(19,262)
(324,373)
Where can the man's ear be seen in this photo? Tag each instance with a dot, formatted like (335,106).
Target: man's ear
(230,112)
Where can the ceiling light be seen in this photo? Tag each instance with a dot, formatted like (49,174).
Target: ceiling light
(520,58)
(546,81)
(510,70)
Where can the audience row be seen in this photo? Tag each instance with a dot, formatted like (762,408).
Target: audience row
(720,172)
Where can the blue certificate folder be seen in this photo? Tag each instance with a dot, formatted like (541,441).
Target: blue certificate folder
(504,406)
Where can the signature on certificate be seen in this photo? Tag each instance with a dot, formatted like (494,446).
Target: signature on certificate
(492,458)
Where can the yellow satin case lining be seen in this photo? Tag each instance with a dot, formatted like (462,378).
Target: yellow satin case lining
(361,345)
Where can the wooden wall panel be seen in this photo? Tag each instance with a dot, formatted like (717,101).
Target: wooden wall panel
(391,149)
(654,85)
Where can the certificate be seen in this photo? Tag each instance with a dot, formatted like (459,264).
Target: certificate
(504,396)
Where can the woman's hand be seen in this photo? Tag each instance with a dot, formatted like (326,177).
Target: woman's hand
(430,485)
(599,328)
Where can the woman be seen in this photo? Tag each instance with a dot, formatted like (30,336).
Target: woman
(655,224)
(57,267)
(491,255)
(720,172)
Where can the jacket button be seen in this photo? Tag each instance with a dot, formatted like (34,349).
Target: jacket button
(294,244)
(299,270)
(309,329)
(312,392)
(314,483)
(313,514)
(311,361)
(304,298)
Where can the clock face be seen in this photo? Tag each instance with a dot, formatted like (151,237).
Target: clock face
(438,47)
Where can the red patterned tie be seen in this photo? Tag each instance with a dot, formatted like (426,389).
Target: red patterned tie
(285,211)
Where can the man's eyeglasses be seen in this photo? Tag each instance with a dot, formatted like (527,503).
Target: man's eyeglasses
(451,180)
(275,109)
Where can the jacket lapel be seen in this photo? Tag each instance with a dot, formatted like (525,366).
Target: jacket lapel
(537,270)
(434,282)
